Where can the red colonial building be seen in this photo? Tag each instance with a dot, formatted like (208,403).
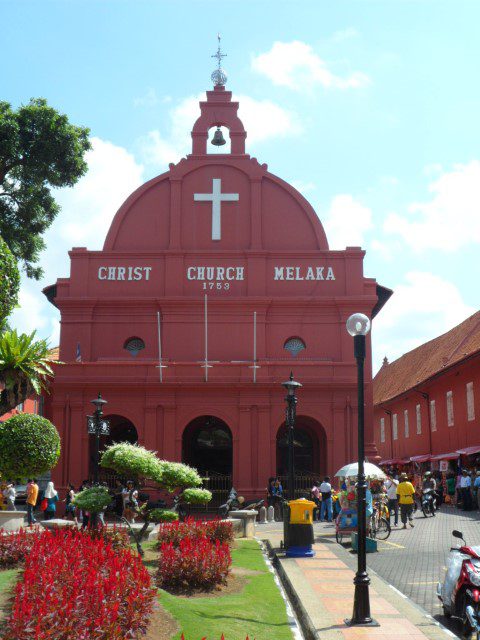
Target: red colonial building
(214,282)
(427,403)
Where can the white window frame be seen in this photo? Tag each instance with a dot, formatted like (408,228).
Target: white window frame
(406,423)
(395,426)
(450,416)
(470,402)
(418,412)
(433,415)
(382,429)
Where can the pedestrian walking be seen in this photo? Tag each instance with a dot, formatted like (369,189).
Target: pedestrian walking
(32,496)
(451,482)
(326,493)
(391,487)
(131,503)
(465,487)
(405,492)
(315,493)
(10,494)
(70,503)
(51,496)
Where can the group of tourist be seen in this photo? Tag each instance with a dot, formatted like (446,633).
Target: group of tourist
(125,501)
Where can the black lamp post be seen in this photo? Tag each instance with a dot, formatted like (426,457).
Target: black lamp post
(97,426)
(290,413)
(358,325)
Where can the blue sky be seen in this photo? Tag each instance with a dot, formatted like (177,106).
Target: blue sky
(370,108)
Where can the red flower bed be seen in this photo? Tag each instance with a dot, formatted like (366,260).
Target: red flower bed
(194,563)
(14,547)
(174,532)
(79,588)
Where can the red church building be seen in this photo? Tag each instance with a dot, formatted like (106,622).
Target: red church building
(214,282)
(427,403)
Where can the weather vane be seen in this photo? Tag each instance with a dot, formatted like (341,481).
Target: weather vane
(219,77)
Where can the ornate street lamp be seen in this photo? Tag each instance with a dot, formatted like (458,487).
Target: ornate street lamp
(97,426)
(358,325)
(290,413)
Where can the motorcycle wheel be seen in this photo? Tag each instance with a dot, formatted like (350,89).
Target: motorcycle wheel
(338,537)
(446,613)
(383,529)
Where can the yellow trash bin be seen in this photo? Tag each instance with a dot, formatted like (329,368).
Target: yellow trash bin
(301,511)
(299,535)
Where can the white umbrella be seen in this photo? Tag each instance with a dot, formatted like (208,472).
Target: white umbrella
(371,471)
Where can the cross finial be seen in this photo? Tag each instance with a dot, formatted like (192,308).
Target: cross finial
(219,55)
(219,77)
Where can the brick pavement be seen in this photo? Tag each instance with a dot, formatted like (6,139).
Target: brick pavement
(411,560)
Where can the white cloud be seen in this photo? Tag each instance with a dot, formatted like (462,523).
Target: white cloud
(87,211)
(344,34)
(346,222)
(296,65)
(262,119)
(422,307)
(450,220)
(150,99)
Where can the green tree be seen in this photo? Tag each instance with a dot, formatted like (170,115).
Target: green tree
(25,366)
(140,464)
(39,149)
(29,446)
(10,282)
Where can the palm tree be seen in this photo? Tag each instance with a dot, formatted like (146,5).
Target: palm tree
(25,366)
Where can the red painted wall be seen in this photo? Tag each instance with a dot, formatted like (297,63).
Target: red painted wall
(445,438)
(167,235)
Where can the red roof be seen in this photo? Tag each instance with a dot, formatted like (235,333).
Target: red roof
(425,361)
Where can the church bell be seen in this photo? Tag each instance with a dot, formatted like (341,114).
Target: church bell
(218,139)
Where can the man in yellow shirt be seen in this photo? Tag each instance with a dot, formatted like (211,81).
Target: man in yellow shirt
(405,492)
(32,495)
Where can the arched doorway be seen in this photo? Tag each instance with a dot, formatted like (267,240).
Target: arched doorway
(207,446)
(121,430)
(310,453)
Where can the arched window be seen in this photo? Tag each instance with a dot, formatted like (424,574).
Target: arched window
(294,345)
(134,345)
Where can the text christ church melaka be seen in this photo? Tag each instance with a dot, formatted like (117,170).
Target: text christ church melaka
(219,272)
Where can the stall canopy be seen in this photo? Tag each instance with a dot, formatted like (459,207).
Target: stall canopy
(446,456)
(395,461)
(468,451)
(423,458)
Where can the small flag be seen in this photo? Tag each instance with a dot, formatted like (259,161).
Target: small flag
(78,353)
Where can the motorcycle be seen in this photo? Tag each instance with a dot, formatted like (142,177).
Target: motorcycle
(460,592)
(428,502)
(235,502)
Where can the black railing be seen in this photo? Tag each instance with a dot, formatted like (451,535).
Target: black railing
(303,484)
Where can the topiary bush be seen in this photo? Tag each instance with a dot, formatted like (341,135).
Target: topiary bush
(10,279)
(93,500)
(29,446)
(163,515)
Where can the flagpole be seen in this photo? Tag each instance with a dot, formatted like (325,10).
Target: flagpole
(206,339)
(159,347)
(254,346)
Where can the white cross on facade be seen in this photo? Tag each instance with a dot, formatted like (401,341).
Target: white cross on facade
(216,198)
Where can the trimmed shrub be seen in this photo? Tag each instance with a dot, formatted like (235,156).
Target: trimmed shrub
(213,530)
(14,547)
(196,496)
(93,500)
(196,563)
(74,586)
(30,446)
(163,515)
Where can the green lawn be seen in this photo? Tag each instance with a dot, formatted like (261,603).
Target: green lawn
(7,582)
(257,611)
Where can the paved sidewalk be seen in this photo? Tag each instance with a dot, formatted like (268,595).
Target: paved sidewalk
(324,588)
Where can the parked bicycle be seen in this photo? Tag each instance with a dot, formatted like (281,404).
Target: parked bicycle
(379,523)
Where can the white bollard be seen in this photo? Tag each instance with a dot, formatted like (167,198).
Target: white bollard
(271,514)
(262,515)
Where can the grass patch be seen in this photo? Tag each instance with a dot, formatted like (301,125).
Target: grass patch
(7,582)
(257,611)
